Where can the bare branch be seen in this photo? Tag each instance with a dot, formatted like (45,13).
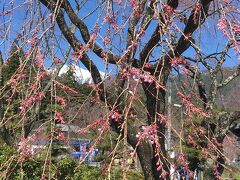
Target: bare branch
(230,78)
(153,41)
(223,57)
(184,42)
(75,43)
(86,35)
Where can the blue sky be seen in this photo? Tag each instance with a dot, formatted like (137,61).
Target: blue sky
(209,43)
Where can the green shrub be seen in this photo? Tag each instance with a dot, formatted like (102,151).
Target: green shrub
(85,172)
(116,174)
(65,168)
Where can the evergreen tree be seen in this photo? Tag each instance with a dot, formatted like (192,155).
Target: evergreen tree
(68,79)
(7,71)
(13,62)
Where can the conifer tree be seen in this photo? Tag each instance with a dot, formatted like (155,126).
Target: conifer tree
(13,62)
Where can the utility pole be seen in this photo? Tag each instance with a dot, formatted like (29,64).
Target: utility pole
(169,114)
(1,86)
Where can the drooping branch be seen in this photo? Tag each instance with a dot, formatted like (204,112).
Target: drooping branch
(185,40)
(156,36)
(117,126)
(146,51)
(86,35)
(196,75)
(133,23)
(163,67)
(75,43)
(192,24)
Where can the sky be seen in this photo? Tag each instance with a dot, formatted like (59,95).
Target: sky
(210,41)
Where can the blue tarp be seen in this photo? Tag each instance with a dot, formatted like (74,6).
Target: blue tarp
(76,155)
(66,143)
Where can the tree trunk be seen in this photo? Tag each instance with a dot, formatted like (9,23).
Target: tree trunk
(156,105)
(144,152)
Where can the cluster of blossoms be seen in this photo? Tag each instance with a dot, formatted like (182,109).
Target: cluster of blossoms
(78,55)
(97,122)
(135,4)
(116,116)
(60,135)
(82,49)
(64,87)
(100,124)
(197,13)
(14,81)
(59,117)
(40,75)
(191,109)
(25,146)
(234,27)
(183,161)
(61,101)
(110,18)
(25,149)
(149,133)
(39,58)
(182,63)
(31,100)
(141,76)
(223,26)
(236,32)
(138,75)
(163,119)
(178,61)
(6,12)
(57,60)
(199,131)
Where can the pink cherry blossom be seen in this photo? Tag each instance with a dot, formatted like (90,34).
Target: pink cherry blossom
(59,117)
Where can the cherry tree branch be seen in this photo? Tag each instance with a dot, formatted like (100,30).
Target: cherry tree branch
(86,35)
(230,78)
(156,36)
(74,42)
